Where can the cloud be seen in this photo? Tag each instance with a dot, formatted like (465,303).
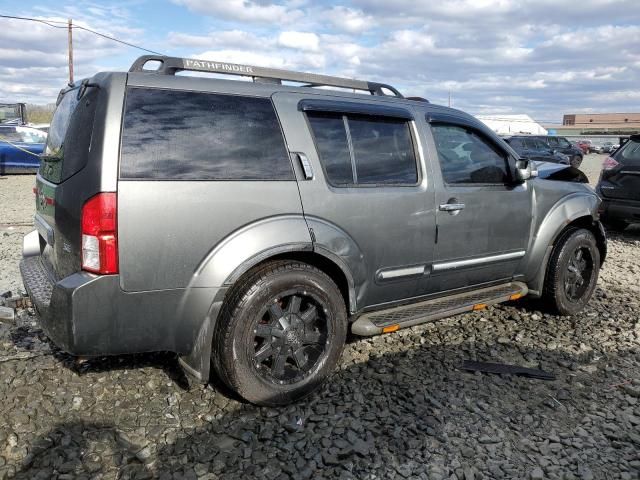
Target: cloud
(299,40)
(243,10)
(538,57)
(350,19)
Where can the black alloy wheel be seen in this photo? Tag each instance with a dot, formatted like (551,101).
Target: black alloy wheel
(578,273)
(290,338)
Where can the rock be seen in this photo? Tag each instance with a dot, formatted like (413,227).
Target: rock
(7,314)
(536,474)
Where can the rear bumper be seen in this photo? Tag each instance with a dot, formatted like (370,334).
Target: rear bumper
(627,210)
(89,315)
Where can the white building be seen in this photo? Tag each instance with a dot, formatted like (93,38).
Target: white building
(512,124)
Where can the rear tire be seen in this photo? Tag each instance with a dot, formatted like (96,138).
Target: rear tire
(572,272)
(280,334)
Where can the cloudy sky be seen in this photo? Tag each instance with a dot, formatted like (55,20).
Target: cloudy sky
(539,57)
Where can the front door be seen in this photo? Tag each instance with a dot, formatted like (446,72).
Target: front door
(366,192)
(483,216)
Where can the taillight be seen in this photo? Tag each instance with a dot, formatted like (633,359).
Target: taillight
(609,163)
(100,234)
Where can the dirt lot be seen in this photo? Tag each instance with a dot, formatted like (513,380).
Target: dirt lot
(399,407)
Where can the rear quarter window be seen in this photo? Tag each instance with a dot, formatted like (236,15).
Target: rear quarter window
(178,135)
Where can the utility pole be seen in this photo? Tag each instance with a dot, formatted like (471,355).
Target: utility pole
(70,37)
(449,98)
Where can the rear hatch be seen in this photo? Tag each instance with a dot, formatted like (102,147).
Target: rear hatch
(59,193)
(621,172)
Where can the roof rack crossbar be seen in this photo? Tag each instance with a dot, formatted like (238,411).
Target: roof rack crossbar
(172,65)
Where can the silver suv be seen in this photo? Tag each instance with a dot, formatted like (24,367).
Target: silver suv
(248,226)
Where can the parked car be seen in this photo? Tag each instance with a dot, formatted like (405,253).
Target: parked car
(20,149)
(619,186)
(584,146)
(250,226)
(535,149)
(606,147)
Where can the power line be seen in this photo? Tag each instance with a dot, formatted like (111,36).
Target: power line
(51,24)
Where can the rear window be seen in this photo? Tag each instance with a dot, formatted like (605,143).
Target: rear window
(364,150)
(67,149)
(177,135)
(629,154)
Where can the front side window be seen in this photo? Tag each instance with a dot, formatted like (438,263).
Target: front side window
(467,158)
(178,135)
(364,150)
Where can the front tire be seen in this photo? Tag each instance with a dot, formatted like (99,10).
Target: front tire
(280,334)
(573,272)
(576,161)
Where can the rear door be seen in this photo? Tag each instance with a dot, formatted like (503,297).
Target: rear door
(623,181)
(367,194)
(483,217)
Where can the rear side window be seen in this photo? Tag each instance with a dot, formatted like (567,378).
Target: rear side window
(176,135)
(516,143)
(364,150)
(629,154)
(467,158)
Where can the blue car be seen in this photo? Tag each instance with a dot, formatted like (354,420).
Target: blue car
(20,148)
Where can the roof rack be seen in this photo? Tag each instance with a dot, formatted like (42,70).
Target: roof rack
(171,65)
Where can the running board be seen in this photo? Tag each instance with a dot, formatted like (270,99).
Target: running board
(392,319)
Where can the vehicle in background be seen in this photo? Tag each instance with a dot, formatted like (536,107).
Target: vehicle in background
(562,145)
(619,186)
(44,127)
(533,148)
(606,147)
(20,148)
(13,114)
(584,145)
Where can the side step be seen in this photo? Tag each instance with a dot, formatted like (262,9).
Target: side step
(392,319)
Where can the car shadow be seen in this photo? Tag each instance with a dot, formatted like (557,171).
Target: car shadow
(402,414)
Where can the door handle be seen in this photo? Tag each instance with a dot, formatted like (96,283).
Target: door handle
(307,169)
(451,207)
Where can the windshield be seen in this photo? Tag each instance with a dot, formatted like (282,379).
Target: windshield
(31,135)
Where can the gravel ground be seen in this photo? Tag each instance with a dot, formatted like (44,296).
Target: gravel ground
(398,407)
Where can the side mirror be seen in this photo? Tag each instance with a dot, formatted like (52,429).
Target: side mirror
(525,169)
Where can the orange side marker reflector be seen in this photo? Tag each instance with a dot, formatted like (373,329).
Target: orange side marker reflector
(391,328)
(515,296)
(480,306)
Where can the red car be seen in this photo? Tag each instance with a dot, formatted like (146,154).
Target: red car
(584,145)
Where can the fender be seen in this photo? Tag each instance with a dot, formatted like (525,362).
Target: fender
(565,211)
(241,251)
(225,263)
